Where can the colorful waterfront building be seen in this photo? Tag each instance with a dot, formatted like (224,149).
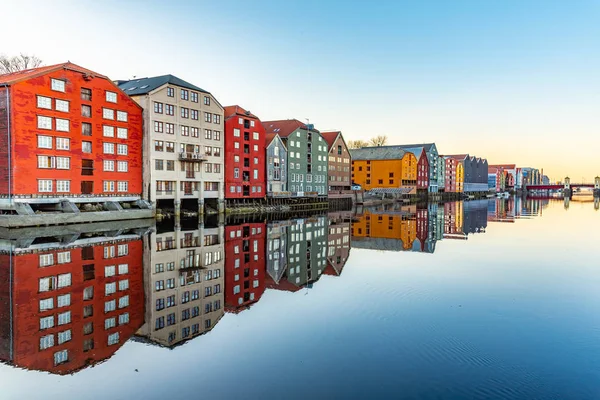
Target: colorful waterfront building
(385,167)
(423,167)
(454,175)
(475,172)
(339,163)
(441,173)
(431,153)
(65,307)
(276,251)
(338,242)
(510,172)
(244,155)
(183,143)
(496,178)
(244,265)
(307,153)
(276,160)
(68,136)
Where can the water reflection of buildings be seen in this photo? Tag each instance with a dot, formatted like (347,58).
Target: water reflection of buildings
(338,242)
(306,242)
(69,302)
(416,228)
(184,281)
(244,265)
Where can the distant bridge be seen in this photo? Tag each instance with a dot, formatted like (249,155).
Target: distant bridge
(560,186)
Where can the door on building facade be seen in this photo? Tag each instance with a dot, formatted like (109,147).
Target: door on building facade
(87,187)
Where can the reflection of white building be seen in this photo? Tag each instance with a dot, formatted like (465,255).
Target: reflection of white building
(184,282)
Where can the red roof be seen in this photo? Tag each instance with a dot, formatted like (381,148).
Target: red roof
(459,157)
(269,138)
(493,170)
(283,127)
(504,166)
(19,76)
(237,110)
(330,137)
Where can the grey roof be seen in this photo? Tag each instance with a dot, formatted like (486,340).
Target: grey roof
(377,153)
(384,244)
(426,146)
(146,85)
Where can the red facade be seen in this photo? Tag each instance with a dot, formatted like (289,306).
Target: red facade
(57,120)
(450,184)
(245,154)
(245,265)
(423,171)
(80,286)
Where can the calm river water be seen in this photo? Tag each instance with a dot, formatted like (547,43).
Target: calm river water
(486,299)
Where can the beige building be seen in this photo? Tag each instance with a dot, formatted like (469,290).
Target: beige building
(183,142)
(184,284)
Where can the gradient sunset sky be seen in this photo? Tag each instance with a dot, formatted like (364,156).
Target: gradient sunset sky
(512,81)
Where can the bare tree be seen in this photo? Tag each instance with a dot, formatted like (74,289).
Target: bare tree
(357,144)
(18,63)
(380,140)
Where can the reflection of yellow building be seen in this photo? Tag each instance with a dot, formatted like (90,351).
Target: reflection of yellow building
(383,167)
(460,178)
(398,226)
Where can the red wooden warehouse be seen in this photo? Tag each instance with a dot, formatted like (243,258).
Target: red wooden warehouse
(67,134)
(244,155)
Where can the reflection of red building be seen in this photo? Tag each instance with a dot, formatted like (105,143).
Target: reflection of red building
(338,244)
(422,227)
(70,307)
(244,265)
(453,220)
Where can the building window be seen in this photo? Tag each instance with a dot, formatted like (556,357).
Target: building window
(109,186)
(169,109)
(109,323)
(216,118)
(44,102)
(44,185)
(185,94)
(86,94)
(195,114)
(61,144)
(111,97)
(63,186)
(194,96)
(44,122)
(108,148)
(122,186)
(185,112)
(122,133)
(122,116)
(170,92)
(61,357)
(107,113)
(64,337)
(57,85)
(44,142)
(207,117)
(46,342)
(64,318)
(206,101)
(113,338)
(255,135)
(62,125)
(158,107)
(86,147)
(185,130)
(122,149)
(108,131)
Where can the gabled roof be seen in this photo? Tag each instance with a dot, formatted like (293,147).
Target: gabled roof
(417,151)
(377,153)
(269,137)
(19,76)
(139,86)
(284,127)
(460,157)
(230,111)
(504,166)
(330,137)
(426,146)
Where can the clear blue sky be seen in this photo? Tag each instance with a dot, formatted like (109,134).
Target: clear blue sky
(513,81)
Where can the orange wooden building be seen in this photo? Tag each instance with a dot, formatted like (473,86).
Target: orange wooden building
(384,167)
(67,133)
